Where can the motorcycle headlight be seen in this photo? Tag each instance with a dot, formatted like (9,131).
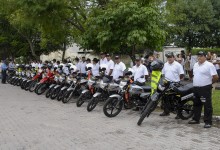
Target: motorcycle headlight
(160,87)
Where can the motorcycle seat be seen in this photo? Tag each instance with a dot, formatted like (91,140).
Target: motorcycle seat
(146,88)
(186,89)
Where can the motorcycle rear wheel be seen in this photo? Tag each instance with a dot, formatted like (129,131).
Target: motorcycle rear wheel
(186,110)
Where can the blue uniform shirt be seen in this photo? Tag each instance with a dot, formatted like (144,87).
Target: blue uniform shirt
(4,66)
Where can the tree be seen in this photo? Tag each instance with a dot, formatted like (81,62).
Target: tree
(122,27)
(189,23)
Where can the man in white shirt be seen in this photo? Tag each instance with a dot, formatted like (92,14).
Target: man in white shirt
(204,75)
(83,66)
(119,68)
(140,72)
(95,68)
(110,65)
(103,59)
(77,64)
(172,71)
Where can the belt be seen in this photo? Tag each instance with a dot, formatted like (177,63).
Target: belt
(203,86)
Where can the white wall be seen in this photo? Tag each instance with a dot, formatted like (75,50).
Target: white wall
(71,52)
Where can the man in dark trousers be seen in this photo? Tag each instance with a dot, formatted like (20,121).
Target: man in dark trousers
(204,75)
(4,68)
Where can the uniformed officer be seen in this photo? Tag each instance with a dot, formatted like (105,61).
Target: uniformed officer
(172,71)
(4,67)
(140,72)
(119,68)
(204,75)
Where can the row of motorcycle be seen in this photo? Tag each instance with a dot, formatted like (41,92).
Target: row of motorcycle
(114,95)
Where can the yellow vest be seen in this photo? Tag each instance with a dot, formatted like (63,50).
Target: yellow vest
(155,78)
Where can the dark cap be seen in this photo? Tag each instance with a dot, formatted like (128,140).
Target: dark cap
(169,54)
(83,57)
(95,60)
(201,53)
(117,57)
(88,59)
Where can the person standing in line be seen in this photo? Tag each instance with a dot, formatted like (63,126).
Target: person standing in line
(4,68)
(204,76)
(140,73)
(110,65)
(83,67)
(172,71)
(95,68)
(103,59)
(119,68)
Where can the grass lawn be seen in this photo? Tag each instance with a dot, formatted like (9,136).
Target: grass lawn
(216,102)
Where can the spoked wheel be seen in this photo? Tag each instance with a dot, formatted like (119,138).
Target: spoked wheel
(54,93)
(148,109)
(112,107)
(82,98)
(61,94)
(41,88)
(92,103)
(33,86)
(23,84)
(27,85)
(67,96)
(186,110)
(48,93)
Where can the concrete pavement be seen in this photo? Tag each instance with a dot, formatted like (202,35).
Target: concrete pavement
(29,121)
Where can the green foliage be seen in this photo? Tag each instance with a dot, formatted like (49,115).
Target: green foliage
(123,26)
(212,50)
(192,23)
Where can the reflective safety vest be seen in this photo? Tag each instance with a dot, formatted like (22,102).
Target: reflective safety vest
(155,78)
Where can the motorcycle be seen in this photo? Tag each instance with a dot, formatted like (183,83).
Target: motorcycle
(105,89)
(45,82)
(178,99)
(92,86)
(35,80)
(130,95)
(75,89)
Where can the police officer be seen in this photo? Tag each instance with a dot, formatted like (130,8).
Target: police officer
(4,68)
(140,72)
(204,75)
(119,68)
(172,71)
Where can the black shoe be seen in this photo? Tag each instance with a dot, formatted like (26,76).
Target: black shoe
(177,117)
(193,122)
(165,114)
(207,125)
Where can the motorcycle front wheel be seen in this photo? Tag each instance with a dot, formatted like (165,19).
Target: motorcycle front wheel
(61,95)
(67,96)
(41,88)
(33,86)
(54,93)
(112,107)
(150,106)
(92,103)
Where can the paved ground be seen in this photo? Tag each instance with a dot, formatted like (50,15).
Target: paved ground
(28,121)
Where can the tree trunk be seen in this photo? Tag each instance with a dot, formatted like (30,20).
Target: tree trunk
(132,54)
(32,49)
(64,51)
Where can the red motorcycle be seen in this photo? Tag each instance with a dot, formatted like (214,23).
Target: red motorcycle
(45,82)
(35,80)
